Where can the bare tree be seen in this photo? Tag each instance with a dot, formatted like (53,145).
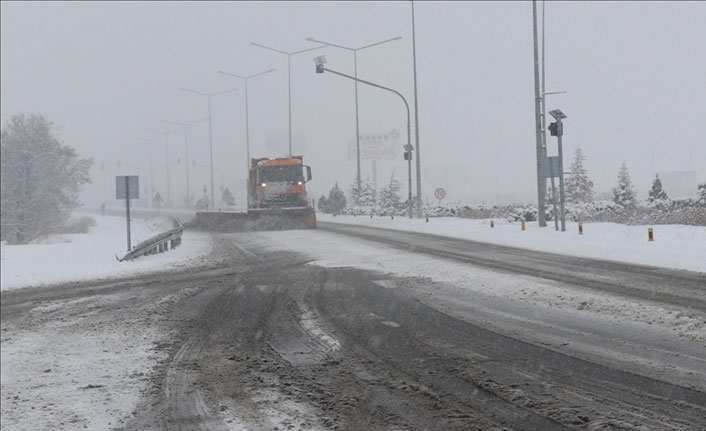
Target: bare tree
(40,178)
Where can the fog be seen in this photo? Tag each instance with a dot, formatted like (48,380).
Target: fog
(634,73)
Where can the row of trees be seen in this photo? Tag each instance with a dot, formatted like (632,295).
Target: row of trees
(367,198)
(579,189)
(40,179)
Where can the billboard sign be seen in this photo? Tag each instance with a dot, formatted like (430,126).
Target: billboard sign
(376,146)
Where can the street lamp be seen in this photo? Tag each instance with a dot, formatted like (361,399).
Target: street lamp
(247,121)
(166,143)
(355,74)
(210,124)
(186,126)
(289,80)
(220,174)
(149,142)
(416,118)
(321,68)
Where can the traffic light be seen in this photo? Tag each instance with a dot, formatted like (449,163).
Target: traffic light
(408,155)
(552,129)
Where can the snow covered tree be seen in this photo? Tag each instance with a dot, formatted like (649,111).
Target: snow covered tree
(579,188)
(323,204)
(390,195)
(657,195)
(228,198)
(40,178)
(624,194)
(701,193)
(336,201)
(368,194)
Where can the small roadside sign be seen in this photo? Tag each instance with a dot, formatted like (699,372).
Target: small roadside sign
(125,184)
(440,194)
(127,187)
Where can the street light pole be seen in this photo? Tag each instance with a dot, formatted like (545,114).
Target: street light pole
(186,126)
(166,142)
(355,69)
(210,129)
(289,81)
(247,120)
(416,119)
(321,69)
(541,152)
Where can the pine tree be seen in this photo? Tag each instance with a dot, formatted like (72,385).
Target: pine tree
(323,204)
(657,194)
(624,194)
(368,195)
(702,193)
(390,195)
(579,188)
(228,198)
(336,201)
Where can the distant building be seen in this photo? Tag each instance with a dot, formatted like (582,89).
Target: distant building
(679,184)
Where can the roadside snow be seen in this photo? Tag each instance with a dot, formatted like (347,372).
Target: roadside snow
(74,257)
(674,246)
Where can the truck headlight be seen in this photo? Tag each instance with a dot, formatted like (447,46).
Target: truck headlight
(264,184)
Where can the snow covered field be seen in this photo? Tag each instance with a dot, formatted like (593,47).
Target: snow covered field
(674,246)
(74,257)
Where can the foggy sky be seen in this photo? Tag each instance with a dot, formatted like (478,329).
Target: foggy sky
(635,73)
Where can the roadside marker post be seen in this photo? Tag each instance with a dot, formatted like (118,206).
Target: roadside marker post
(427,219)
(523,225)
(580,228)
(650,234)
(492,224)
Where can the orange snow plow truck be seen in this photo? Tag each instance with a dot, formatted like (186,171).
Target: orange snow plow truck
(277,199)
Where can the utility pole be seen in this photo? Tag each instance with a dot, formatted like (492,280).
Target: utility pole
(541,152)
(355,75)
(289,80)
(416,120)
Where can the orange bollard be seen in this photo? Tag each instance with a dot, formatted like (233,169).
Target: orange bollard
(492,223)
(580,228)
(650,234)
(523,225)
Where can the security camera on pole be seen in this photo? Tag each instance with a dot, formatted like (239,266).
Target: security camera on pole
(557,129)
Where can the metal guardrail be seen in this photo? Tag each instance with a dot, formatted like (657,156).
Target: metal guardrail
(157,244)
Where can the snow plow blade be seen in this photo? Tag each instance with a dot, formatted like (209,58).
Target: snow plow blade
(255,220)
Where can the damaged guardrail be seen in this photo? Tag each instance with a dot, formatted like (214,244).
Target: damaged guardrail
(157,244)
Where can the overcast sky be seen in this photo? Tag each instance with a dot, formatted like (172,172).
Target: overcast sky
(635,73)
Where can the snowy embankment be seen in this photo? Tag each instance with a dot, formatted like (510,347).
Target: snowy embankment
(674,246)
(74,257)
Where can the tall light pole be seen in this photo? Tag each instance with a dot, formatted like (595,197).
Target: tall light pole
(247,121)
(210,129)
(186,126)
(148,142)
(355,74)
(541,151)
(166,144)
(320,68)
(416,119)
(289,80)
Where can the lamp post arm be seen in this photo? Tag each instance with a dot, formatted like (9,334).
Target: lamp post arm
(372,84)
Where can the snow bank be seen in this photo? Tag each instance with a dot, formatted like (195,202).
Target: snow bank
(73,257)
(674,246)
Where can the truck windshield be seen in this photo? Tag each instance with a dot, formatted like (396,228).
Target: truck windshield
(276,174)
